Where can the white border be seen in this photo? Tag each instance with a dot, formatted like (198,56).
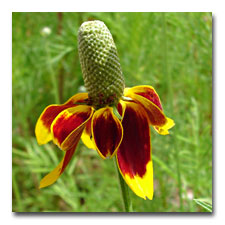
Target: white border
(7,7)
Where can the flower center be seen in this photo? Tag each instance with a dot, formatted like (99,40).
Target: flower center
(100,65)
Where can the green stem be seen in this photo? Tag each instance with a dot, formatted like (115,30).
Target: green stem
(16,192)
(170,100)
(52,74)
(124,191)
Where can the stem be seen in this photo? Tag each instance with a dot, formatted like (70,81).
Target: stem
(170,100)
(16,192)
(51,71)
(61,68)
(124,191)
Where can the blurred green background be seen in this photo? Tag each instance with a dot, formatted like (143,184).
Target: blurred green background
(170,51)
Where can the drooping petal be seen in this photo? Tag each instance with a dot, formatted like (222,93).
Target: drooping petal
(42,129)
(146,91)
(121,107)
(163,130)
(68,124)
(55,174)
(86,136)
(134,154)
(149,99)
(107,132)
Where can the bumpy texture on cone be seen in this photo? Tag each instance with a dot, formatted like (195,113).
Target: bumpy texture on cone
(101,69)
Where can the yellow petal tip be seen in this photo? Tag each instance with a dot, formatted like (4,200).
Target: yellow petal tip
(163,130)
(43,135)
(142,186)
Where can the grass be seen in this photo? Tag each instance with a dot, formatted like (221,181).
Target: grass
(170,51)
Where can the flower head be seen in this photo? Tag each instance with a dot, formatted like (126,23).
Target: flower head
(111,119)
(46,31)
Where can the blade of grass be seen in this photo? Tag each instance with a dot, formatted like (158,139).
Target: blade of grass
(204,204)
(171,100)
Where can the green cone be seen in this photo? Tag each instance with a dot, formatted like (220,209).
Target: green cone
(100,65)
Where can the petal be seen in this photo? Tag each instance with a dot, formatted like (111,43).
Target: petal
(148,92)
(121,107)
(107,132)
(42,129)
(55,174)
(163,130)
(149,99)
(68,124)
(87,136)
(134,154)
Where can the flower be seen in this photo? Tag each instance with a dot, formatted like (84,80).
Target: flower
(111,119)
(46,31)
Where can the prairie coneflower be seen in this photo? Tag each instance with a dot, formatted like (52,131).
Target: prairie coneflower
(110,118)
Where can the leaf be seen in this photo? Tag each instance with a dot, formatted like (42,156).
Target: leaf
(204,203)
